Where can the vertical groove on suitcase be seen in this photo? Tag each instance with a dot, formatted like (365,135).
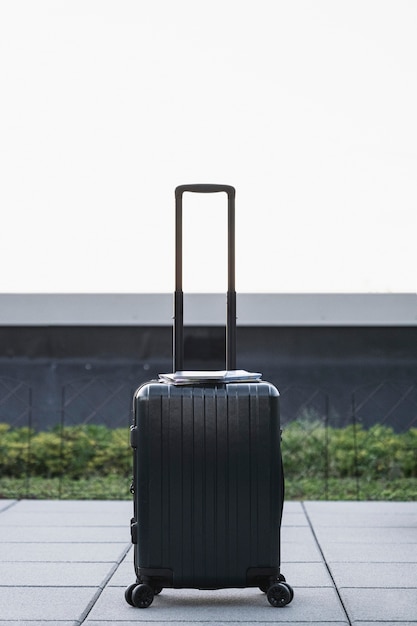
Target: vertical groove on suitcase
(208,496)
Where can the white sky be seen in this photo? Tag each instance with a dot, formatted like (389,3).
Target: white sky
(307,107)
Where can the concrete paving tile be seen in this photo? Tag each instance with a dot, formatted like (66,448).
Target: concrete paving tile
(222,623)
(318,605)
(292,519)
(125,573)
(55,574)
(62,539)
(5,504)
(46,513)
(376,575)
(360,505)
(31,622)
(359,520)
(385,623)
(370,553)
(307,574)
(292,506)
(13,517)
(62,552)
(300,552)
(395,605)
(366,535)
(366,514)
(372,507)
(64,534)
(297,534)
(75,506)
(45,603)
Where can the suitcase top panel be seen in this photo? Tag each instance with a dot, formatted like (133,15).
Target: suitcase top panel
(155,388)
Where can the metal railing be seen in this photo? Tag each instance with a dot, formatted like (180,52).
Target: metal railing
(16,410)
(309,421)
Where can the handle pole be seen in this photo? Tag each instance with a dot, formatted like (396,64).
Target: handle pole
(178,347)
(178,339)
(231,288)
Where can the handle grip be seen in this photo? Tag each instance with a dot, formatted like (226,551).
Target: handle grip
(205,188)
(231,290)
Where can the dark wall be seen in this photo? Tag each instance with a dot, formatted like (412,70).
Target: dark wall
(49,374)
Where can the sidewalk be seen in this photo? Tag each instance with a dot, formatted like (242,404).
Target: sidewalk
(69,562)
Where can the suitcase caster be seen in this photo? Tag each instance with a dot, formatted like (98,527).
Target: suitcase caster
(142,596)
(280,594)
(156,589)
(128,593)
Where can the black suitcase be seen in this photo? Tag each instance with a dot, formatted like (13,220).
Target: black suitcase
(208,484)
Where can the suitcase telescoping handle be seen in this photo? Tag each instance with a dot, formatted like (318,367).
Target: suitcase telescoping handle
(231,289)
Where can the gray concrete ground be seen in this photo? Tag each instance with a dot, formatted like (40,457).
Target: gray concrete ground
(68,563)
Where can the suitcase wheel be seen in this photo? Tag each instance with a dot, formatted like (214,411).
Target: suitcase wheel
(280,594)
(156,589)
(142,596)
(128,593)
(290,589)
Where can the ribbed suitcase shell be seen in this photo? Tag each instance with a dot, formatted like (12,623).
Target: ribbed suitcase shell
(208,484)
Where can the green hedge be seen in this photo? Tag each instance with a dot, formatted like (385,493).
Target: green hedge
(74,452)
(309,451)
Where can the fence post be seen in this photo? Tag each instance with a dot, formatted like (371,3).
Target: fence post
(355,446)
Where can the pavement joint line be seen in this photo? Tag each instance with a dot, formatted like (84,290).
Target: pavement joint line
(11,505)
(103,585)
(326,564)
